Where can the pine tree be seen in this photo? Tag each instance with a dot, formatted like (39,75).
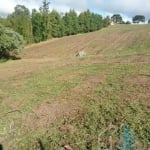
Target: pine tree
(71,23)
(56,23)
(85,21)
(106,21)
(46,25)
(36,26)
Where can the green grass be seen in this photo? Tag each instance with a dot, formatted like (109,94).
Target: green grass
(35,89)
(136,44)
(44,85)
(107,114)
(136,49)
(38,87)
(119,99)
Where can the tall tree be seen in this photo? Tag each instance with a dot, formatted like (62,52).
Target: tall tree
(95,22)
(106,21)
(46,25)
(36,26)
(20,21)
(56,24)
(138,19)
(85,21)
(98,21)
(71,23)
(89,22)
(116,18)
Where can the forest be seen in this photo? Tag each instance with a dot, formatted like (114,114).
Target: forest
(43,24)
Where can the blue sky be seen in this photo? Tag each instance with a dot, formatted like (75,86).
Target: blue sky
(127,8)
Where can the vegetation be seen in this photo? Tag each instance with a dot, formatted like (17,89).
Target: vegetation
(58,101)
(138,18)
(106,21)
(43,24)
(57,24)
(116,18)
(20,22)
(107,115)
(63,102)
(11,43)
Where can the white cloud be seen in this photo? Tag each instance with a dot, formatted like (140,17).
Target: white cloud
(127,8)
(80,5)
(7,6)
(63,8)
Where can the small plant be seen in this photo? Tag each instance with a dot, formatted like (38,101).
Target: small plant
(127,140)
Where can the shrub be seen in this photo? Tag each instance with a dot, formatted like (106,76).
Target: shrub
(11,43)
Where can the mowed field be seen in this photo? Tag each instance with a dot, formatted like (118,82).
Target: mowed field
(52,100)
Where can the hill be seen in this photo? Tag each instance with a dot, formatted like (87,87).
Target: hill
(51,99)
(115,40)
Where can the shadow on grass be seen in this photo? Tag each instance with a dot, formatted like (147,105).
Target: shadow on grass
(14,58)
(1,147)
(2,60)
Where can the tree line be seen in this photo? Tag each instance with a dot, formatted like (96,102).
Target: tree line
(117,19)
(42,24)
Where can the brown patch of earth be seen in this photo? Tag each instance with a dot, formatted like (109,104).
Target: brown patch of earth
(141,86)
(66,78)
(141,80)
(68,105)
(131,59)
(47,113)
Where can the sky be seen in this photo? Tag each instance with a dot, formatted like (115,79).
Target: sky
(127,8)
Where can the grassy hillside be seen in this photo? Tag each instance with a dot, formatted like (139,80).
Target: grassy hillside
(51,99)
(115,41)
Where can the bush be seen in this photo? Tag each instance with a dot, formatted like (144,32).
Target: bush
(11,43)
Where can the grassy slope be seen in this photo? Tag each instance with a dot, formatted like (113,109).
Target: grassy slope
(53,99)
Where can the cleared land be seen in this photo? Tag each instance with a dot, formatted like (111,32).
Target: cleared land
(51,99)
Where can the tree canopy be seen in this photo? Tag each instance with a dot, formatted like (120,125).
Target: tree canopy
(10,42)
(106,21)
(71,23)
(138,19)
(116,18)
(20,21)
(57,26)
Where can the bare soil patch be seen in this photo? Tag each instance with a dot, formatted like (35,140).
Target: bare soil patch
(132,59)
(141,80)
(142,85)
(64,106)
(47,113)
